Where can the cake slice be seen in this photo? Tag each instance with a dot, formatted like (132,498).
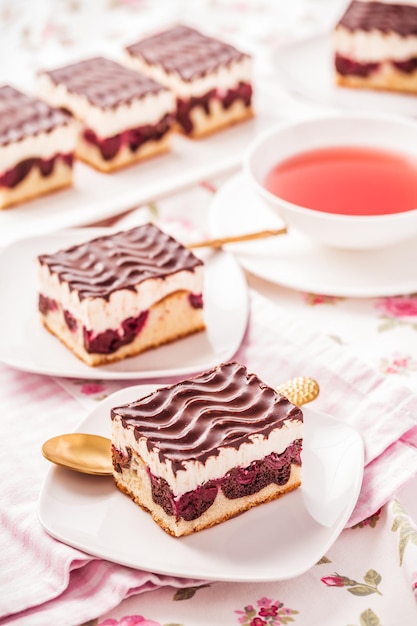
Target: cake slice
(115,296)
(210,78)
(375,46)
(37,143)
(126,116)
(198,452)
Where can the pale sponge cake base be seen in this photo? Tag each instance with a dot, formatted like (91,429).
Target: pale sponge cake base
(168,320)
(386,78)
(218,118)
(35,185)
(137,485)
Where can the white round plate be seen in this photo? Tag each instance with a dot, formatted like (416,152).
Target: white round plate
(26,345)
(306,67)
(293,260)
(291,533)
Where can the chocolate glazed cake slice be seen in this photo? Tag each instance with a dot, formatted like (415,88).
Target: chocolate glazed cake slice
(375,45)
(198,452)
(126,116)
(211,79)
(37,143)
(118,295)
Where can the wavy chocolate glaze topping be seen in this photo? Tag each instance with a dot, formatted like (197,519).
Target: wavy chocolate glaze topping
(24,116)
(185,51)
(192,419)
(103,265)
(103,82)
(396,18)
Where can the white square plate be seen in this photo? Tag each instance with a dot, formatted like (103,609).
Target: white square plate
(26,345)
(273,541)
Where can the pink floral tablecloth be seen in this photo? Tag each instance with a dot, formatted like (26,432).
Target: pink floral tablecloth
(369,576)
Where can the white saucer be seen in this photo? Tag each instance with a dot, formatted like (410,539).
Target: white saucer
(306,66)
(295,261)
(274,541)
(26,345)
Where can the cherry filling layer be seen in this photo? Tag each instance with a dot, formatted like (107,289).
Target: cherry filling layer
(46,305)
(196,300)
(110,340)
(349,67)
(242,92)
(106,342)
(15,175)
(134,138)
(237,483)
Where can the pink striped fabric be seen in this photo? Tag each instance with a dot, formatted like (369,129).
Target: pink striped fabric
(43,581)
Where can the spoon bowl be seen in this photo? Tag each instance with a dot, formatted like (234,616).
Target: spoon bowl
(91,454)
(83,452)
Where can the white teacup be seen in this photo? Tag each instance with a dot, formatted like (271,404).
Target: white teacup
(381,132)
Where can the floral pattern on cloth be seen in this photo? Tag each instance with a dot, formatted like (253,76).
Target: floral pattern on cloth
(266,613)
(371,521)
(130,620)
(369,585)
(368,618)
(407,529)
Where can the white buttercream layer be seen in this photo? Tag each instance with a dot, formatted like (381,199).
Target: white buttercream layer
(149,109)
(373,46)
(223,78)
(196,473)
(98,314)
(59,140)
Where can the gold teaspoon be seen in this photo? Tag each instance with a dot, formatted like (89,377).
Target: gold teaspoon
(91,454)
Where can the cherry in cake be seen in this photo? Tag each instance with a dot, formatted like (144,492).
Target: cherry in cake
(37,144)
(198,452)
(211,79)
(115,296)
(125,116)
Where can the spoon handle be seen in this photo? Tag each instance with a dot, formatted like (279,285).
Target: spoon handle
(218,243)
(300,390)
